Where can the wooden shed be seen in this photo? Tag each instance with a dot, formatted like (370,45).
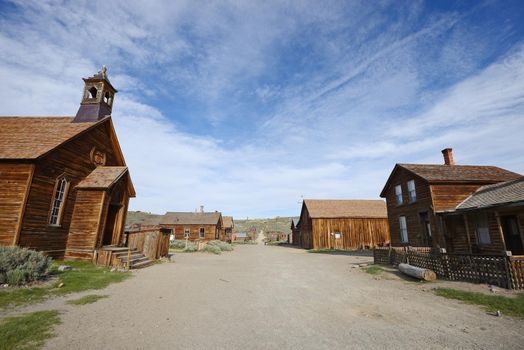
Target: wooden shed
(229,224)
(415,193)
(343,224)
(64,184)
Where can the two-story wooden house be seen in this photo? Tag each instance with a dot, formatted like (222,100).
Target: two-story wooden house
(64,184)
(415,193)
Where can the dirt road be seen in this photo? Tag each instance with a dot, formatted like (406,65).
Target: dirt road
(265,297)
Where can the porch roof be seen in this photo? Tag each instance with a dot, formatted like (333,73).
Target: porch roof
(503,193)
(104,177)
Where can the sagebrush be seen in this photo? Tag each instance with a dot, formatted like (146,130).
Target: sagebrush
(20,266)
(183,245)
(224,246)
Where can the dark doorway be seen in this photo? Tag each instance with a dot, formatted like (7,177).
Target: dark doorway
(426,228)
(109,229)
(510,227)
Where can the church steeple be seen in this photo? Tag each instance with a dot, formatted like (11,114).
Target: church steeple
(97,99)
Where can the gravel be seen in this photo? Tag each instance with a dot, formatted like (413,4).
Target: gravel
(270,297)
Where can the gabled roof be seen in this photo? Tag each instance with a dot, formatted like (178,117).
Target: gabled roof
(355,208)
(439,173)
(191,218)
(294,222)
(503,193)
(228,221)
(33,137)
(104,177)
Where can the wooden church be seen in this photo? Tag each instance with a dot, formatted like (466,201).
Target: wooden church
(64,184)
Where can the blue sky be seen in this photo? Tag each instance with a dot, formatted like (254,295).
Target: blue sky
(247,106)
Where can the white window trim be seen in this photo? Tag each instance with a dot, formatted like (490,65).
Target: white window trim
(187,232)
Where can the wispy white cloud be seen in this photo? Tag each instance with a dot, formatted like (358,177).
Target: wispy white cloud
(246,107)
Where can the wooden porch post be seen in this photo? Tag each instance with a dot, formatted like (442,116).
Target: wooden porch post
(501,232)
(466,224)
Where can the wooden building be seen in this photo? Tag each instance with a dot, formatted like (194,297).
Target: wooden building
(415,193)
(489,221)
(229,224)
(295,232)
(195,226)
(343,224)
(64,184)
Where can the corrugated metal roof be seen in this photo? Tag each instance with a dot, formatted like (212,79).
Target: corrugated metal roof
(356,208)
(494,195)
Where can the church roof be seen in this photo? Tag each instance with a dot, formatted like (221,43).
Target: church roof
(33,137)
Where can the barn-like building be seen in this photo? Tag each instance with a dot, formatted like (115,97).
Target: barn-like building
(64,183)
(343,224)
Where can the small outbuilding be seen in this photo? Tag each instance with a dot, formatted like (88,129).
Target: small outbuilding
(343,224)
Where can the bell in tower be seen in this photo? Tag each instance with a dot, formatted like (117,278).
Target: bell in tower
(97,100)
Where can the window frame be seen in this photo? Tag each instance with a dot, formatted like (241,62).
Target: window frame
(202,232)
(478,234)
(399,195)
(402,219)
(63,200)
(412,199)
(187,232)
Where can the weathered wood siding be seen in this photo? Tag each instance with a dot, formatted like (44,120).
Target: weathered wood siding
(152,242)
(416,229)
(87,225)
(15,180)
(448,196)
(194,230)
(355,233)
(457,236)
(306,229)
(72,159)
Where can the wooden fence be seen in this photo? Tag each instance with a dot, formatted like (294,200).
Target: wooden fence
(500,270)
(153,243)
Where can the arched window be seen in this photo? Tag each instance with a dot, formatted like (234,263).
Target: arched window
(57,205)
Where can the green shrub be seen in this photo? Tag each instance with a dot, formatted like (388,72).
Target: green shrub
(210,248)
(181,245)
(224,246)
(191,247)
(20,265)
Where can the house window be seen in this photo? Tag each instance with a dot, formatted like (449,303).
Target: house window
(186,233)
(57,205)
(403,229)
(411,191)
(202,232)
(482,229)
(398,194)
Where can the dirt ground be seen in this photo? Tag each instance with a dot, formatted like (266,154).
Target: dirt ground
(270,297)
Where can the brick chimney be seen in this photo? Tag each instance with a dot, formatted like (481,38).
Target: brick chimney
(448,156)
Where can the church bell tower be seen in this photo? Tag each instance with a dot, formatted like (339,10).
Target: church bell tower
(97,99)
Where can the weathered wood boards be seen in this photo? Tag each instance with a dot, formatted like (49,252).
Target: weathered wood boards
(417,272)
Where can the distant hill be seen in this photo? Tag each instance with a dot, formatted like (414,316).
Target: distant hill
(137,217)
(282,224)
(275,224)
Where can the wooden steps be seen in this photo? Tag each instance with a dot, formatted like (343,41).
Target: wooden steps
(137,260)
